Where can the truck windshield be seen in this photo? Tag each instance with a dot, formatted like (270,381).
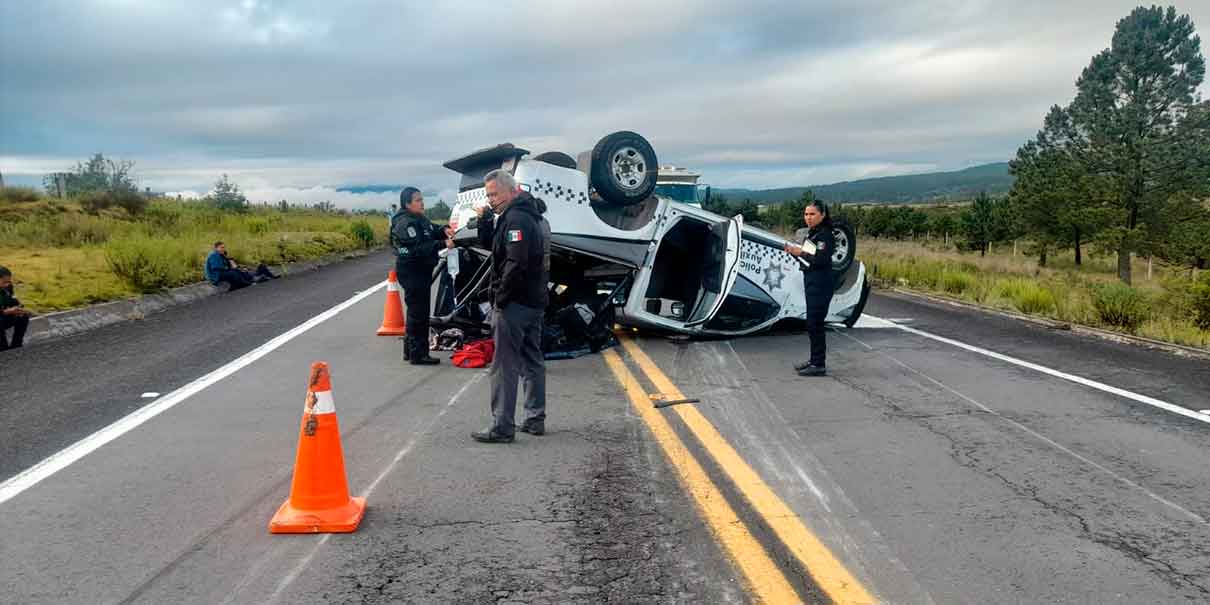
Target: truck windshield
(681,192)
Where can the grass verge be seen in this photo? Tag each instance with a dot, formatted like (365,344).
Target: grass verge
(1165,308)
(63,256)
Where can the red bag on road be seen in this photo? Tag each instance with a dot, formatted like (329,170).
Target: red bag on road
(477,354)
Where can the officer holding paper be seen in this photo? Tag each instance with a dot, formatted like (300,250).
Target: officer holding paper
(816,251)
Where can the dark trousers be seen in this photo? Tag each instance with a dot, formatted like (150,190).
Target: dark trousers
(518,360)
(19,323)
(263,273)
(238,279)
(817,312)
(416,284)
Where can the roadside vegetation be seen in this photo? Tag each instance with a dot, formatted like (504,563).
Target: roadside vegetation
(1171,305)
(104,240)
(1107,222)
(970,251)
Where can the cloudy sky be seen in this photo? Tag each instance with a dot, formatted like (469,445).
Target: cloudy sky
(294,98)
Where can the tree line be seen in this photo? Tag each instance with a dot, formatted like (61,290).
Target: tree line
(101,183)
(1125,166)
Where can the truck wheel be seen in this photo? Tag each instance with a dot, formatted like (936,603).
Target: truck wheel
(624,169)
(851,320)
(846,246)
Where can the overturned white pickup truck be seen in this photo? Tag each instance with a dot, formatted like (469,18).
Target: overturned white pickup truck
(638,258)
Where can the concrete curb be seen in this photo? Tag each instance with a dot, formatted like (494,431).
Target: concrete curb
(1175,349)
(75,321)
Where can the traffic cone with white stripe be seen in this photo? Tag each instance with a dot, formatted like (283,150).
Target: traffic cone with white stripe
(319,495)
(392,311)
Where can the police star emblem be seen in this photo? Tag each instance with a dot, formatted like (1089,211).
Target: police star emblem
(773,275)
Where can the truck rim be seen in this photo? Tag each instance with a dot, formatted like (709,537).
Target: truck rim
(628,168)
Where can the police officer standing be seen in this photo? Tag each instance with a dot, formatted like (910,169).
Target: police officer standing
(818,246)
(416,242)
(519,282)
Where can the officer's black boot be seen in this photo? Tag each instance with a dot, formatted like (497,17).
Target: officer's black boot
(407,348)
(420,353)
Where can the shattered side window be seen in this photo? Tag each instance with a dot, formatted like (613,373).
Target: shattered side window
(746,306)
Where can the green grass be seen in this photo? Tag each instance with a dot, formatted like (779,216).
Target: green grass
(1168,307)
(63,257)
(54,279)
(957,282)
(1027,296)
(1120,306)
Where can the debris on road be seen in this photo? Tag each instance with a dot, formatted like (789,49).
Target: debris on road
(661,401)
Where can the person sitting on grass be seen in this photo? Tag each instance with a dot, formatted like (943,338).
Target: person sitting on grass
(220,268)
(12,314)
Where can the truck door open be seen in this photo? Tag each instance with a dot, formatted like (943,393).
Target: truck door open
(722,267)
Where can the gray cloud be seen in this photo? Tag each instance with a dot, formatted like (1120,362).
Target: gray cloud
(294,95)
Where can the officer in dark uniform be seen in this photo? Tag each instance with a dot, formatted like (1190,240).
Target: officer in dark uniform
(515,233)
(817,279)
(416,242)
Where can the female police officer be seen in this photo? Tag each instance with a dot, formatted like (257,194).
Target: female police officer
(817,277)
(416,242)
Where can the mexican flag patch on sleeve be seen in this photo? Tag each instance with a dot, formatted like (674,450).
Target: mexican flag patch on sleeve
(514,235)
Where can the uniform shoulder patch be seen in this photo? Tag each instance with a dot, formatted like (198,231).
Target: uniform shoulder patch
(514,235)
(411,231)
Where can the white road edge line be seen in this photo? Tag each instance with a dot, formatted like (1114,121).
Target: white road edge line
(1043,438)
(65,457)
(1163,405)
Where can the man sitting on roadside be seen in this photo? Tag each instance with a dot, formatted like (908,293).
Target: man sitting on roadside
(220,268)
(12,314)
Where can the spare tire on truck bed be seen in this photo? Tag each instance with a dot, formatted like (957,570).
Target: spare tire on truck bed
(624,169)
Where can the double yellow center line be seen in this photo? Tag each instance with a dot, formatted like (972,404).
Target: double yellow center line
(768,583)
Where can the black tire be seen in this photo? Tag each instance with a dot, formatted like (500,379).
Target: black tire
(865,297)
(557,158)
(846,246)
(624,169)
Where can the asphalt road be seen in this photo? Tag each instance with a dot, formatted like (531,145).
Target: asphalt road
(920,471)
(54,393)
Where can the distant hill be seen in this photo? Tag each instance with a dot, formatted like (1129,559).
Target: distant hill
(961,184)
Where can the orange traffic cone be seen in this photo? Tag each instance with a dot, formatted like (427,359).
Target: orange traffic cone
(319,496)
(392,311)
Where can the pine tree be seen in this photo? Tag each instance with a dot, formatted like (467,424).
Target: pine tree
(1130,100)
